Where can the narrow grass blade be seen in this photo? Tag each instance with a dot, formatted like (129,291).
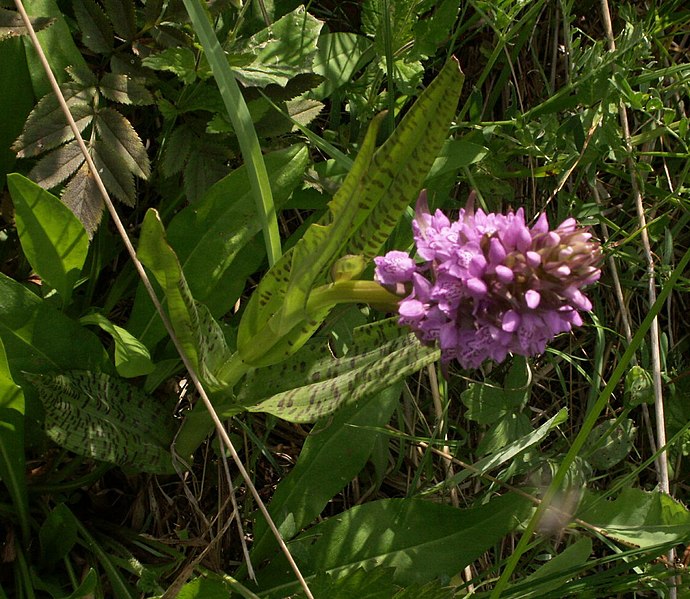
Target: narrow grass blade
(242,124)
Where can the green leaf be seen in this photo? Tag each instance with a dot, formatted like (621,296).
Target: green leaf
(104,418)
(11,395)
(199,334)
(115,173)
(57,535)
(434,31)
(333,454)
(637,517)
(283,50)
(24,320)
(204,588)
(367,374)
(455,154)
(84,199)
(132,359)
(606,452)
(116,131)
(337,57)
(16,101)
(421,540)
(96,30)
(213,239)
(180,61)
(54,241)
(121,15)
(639,387)
(58,165)
(362,214)
(12,24)
(556,572)
(247,138)
(46,126)
(125,89)
(486,402)
(57,44)
(12,465)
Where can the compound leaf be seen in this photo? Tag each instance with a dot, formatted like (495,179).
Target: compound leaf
(124,89)
(57,166)
(83,198)
(12,24)
(116,131)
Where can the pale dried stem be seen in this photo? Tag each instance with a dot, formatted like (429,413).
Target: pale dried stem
(654,328)
(154,298)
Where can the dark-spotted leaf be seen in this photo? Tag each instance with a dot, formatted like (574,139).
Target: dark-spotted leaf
(103,417)
(54,241)
(364,211)
(198,332)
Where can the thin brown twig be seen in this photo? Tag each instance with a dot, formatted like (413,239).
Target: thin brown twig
(154,298)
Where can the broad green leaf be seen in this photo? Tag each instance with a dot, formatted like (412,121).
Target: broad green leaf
(204,588)
(57,43)
(83,198)
(116,131)
(337,57)
(433,31)
(421,540)
(125,89)
(368,374)
(96,30)
(58,165)
(198,332)
(16,101)
(552,575)
(24,321)
(362,214)
(54,241)
(605,453)
(180,61)
(509,428)
(104,418)
(283,50)
(57,535)
(333,454)
(640,518)
(214,240)
(12,24)
(132,359)
(487,402)
(455,154)
(12,465)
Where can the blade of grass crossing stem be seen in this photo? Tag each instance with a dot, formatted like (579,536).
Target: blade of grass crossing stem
(588,425)
(242,124)
(154,298)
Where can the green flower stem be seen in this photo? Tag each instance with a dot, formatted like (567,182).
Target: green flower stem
(352,292)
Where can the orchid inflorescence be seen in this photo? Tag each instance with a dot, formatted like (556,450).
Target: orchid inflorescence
(489,284)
